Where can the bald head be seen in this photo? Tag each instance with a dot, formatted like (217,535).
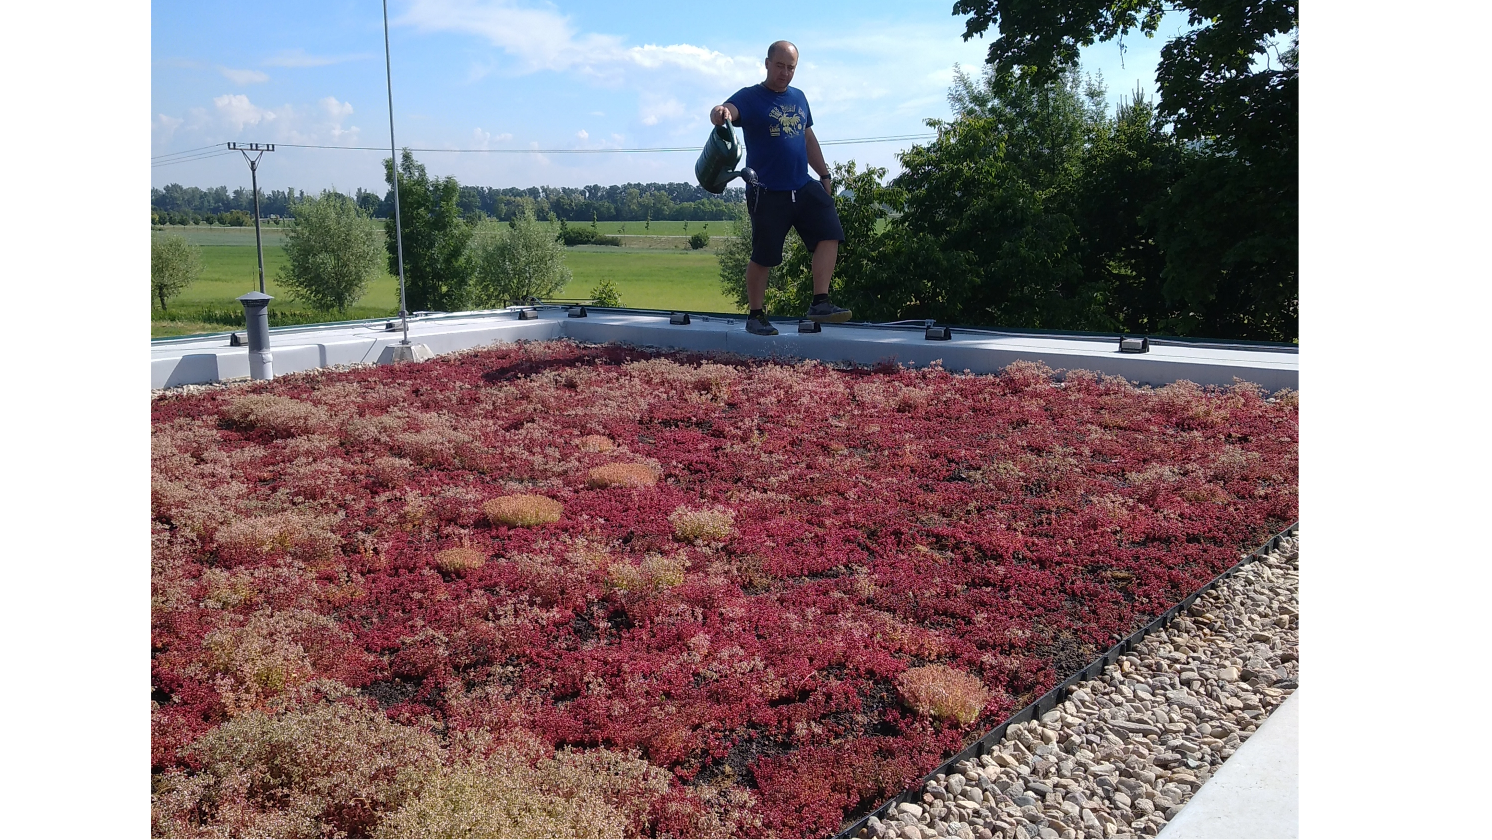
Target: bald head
(782,61)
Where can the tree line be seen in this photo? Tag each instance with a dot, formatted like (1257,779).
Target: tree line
(635,202)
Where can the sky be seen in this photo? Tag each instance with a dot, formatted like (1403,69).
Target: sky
(514,75)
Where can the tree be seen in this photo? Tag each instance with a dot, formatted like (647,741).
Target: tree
(437,269)
(732,258)
(517,260)
(606,293)
(986,232)
(175,264)
(1228,229)
(331,252)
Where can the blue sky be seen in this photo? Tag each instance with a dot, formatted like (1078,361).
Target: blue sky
(520,74)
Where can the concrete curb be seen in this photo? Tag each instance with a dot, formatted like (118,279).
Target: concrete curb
(210,358)
(1256,793)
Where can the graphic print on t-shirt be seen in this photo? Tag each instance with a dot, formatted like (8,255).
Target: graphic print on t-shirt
(786,119)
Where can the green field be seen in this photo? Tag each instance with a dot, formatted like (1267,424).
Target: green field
(651,272)
(650,279)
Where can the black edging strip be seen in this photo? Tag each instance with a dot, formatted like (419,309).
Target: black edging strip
(1049,701)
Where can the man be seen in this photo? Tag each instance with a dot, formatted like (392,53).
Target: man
(780,146)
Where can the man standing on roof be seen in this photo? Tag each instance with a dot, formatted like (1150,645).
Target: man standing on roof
(781,147)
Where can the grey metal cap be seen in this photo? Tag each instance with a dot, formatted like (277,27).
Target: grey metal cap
(255,299)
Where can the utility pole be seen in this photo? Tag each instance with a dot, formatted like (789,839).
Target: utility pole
(260,149)
(388,66)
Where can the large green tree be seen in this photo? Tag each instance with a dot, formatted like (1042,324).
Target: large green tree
(1229,87)
(437,268)
(516,260)
(990,223)
(331,252)
(175,264)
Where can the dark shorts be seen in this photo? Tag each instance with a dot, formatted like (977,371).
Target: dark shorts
(810,210)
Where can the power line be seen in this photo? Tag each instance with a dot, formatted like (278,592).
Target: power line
(185,151)
(883,139)
(890,138)
(218,153)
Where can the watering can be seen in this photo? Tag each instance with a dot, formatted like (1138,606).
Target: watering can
(715,167)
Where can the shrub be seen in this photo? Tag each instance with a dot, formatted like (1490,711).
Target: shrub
(516,261)
(264,656)
(605,294)
(702,526)
(455,561)
(331,252)
(598,793)
(438,447)
(391,472)
(698,240)
(941,692)
(304,535)
(280,416)
(175,264)
(622,475)
(330,770)
(595,443)
(576,236)
(587,236)
(661,572)
(523,511)
(622,575)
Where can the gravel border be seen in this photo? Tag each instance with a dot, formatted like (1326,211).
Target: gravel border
(1125,752)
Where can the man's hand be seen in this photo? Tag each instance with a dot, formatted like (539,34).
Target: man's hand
(720,113)
(828,185)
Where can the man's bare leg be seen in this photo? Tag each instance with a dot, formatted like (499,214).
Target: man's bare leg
(824,256)
(756,283)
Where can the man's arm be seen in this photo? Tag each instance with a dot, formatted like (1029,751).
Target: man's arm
(720,113)
(816,160)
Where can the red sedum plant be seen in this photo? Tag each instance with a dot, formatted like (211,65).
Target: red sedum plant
(773,594)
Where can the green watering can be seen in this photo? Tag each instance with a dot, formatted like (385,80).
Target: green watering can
(722,152)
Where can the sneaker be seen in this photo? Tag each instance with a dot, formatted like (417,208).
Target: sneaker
(760,326)
(828,313)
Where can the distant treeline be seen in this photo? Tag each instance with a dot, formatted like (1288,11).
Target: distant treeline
(176,204)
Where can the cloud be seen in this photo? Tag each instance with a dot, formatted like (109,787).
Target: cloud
(582,134)
(163,126)
(484,138)
(336,110)
(652,108)
(300,58)
(244,77)
(697,60)
(235,109)
(541,38)
(867,77)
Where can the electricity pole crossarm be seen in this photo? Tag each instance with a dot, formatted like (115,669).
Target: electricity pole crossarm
(259,149)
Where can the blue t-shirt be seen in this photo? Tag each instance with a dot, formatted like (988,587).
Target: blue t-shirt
(775,125)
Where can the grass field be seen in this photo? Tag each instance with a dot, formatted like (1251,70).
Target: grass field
(650,279)
(653,272)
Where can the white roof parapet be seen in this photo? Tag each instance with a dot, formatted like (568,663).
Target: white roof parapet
(210,358)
